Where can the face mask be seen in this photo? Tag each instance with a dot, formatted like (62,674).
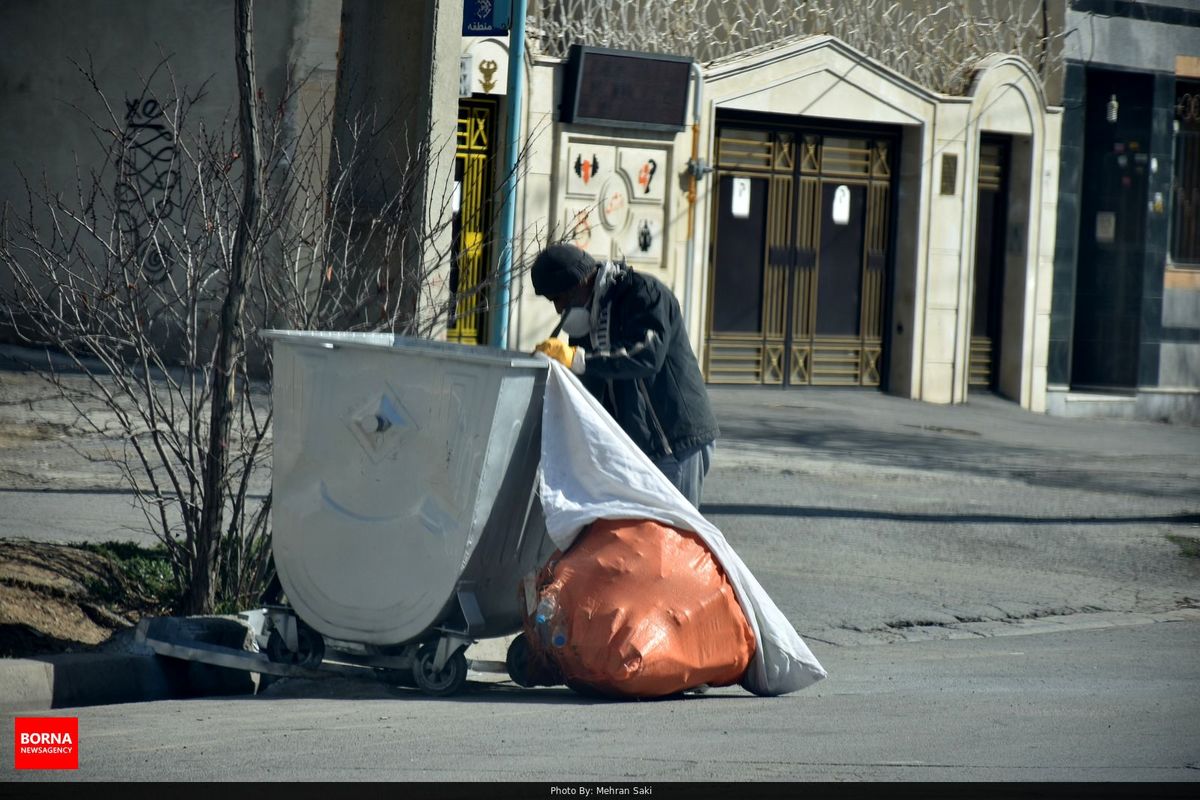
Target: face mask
(577,321)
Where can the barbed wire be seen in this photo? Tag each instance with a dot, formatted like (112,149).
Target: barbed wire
(934,44)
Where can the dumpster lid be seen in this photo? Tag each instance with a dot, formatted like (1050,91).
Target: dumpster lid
(331,340)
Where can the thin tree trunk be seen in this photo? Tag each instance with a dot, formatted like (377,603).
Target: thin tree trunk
(202,591)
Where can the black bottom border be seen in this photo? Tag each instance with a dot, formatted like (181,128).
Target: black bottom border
(249,789)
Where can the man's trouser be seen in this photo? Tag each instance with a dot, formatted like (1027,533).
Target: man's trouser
(687,473)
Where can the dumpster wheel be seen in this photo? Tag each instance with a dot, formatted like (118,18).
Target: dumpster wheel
(309,653)
(517,661)
(447,681)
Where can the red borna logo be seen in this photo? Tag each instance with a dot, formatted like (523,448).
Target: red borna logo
(46,742)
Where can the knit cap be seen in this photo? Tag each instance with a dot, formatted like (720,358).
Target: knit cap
(560,268)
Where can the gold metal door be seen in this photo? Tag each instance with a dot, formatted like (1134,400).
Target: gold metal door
(472,219)
(798,260)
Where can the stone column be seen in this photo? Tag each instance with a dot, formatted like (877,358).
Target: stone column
(400,62)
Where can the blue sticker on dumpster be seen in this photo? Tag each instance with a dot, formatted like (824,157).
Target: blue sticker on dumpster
(435,519)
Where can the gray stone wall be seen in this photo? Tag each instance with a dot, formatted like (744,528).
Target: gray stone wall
(44,98)
(1066,243)
(1144,39)
(1100,39)
(1179,359)
(398,57)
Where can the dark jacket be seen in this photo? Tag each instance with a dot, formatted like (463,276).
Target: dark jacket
(648,379)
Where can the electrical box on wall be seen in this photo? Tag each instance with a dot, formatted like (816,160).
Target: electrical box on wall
(620,88)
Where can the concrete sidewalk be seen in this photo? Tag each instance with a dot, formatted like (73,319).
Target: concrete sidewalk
(855,431)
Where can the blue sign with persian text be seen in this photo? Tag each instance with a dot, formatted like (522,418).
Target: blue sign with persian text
(486,17)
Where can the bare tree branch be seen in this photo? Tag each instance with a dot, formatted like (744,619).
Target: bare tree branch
(151,272)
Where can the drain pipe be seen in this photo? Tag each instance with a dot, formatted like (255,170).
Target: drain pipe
(697,169)
(508,213)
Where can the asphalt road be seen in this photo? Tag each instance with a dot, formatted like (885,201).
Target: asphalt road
(895,557)
(1116,704)
(905,541)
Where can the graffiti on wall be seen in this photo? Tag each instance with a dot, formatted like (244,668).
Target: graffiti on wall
(585,169)
(579,226)
(646,174)
(487,68)
(147,190)
(616,200)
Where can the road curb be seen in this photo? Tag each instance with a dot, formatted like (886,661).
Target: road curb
(1059,623)
(132,674)
(86,679)
(71,680)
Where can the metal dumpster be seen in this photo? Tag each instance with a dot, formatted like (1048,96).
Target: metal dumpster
(404,500)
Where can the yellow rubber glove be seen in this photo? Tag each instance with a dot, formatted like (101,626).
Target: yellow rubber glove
(559,350)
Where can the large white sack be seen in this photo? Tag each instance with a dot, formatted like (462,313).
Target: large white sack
(592,470)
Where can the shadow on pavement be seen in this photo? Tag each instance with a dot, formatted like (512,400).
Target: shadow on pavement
(1058,464)
(764,510)
(473,692)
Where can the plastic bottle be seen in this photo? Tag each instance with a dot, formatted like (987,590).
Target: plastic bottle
(550,630)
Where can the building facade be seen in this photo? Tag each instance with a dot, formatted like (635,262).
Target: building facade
(912,197)
(1125,326)
(824,218)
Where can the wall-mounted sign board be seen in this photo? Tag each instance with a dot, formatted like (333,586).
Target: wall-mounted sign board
(841,205)
(466,68)
(949,173)
(623,89)
(486,17)
(739,198)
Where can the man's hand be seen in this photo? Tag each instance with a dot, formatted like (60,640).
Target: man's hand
(559,350)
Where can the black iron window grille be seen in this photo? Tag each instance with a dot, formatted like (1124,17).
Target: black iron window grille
(1185,223)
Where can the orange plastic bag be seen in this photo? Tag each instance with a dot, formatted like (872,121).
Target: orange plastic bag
(638,609)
